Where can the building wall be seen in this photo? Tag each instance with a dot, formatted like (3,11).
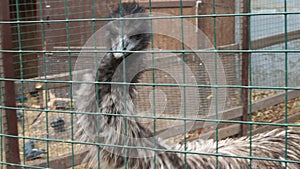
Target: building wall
(61,36)
(225,27)
(24,37)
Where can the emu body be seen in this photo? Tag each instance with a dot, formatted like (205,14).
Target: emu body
(109,127)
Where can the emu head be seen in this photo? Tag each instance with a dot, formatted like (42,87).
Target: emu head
(129,32)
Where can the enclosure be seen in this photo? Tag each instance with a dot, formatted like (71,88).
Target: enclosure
(216,69)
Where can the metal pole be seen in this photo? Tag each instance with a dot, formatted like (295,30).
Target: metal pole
(11,144)
(245,68)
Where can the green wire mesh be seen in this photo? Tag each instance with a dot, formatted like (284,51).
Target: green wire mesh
(47,37)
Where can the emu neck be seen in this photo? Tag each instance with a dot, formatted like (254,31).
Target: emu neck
(113,126)
(115,71)
(116,100)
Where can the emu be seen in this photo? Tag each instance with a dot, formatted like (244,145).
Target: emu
(108,126)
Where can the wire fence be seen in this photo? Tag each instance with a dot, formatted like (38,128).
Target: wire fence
(41,42)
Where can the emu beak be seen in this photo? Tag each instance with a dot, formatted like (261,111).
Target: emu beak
(118,55)
(122,44)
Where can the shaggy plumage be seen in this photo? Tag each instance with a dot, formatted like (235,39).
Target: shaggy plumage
(109,128)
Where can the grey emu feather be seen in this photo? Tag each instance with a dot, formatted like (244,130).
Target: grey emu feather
(111,130)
